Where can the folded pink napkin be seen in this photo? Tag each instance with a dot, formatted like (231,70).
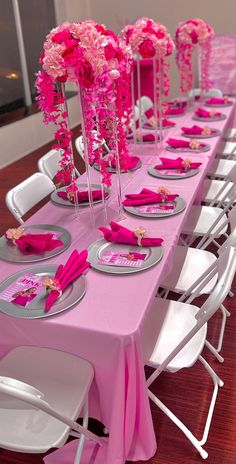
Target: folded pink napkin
(30,244)
(171,110)
(195,130)
(119,234)
(38,243)
(178,143)
(145,197)
(177,103)
(178,163)
(147,138)
(132,163)
(65,274)
(217,101)
(82,196)
(201,113)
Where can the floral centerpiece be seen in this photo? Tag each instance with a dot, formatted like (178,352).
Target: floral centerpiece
(90,56)
(150,39)
(189,34)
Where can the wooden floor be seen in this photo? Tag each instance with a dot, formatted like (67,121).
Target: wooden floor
(187,393)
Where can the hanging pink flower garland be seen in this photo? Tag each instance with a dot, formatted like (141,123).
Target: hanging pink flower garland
(91,56)
(150,40)
(188,34)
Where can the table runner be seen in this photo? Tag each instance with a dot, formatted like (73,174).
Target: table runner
(112,326)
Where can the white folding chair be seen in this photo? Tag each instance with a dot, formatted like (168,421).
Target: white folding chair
(145,103)
(80,145)
(180,338)
(191,275)
(208,221)
(215,192)
(227,150)
(24,196)
(230,135)
(42,394)
(216,93)
(49,164)
(221,168)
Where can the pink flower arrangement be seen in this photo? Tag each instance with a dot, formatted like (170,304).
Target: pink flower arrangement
(91,56)
(188,34)
(150,39)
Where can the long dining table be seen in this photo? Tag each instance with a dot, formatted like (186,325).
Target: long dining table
(113,326)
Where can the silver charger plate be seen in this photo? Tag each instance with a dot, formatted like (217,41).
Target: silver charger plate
(188,150)
(222,117)
(96,250)
(113,170)
(158,127)
(35,309)
(175,115)
(202,136)
(11,253)
(218,105)
(59,201)
(180,205)
(175,176)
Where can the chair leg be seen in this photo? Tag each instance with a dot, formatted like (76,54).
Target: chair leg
(179,424)
(231,294)
(82,437)
(216,351)
(196,443)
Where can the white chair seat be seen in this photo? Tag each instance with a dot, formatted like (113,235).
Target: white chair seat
(189,264)
(201,218)
(211,188)
(63,378)
(221,168)
(177,321)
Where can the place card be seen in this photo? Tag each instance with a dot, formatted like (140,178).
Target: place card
(122,258)
(165,208)
(23,290)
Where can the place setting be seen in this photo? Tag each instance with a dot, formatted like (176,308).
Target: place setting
(190,146)
(151,124)
(43,291)
(209,116)
(123,251)
(154,204)
(219,102)
(133,163)
(198,132)
(29,244)
(174,169)
(175,111)
(140,138)
(66,196)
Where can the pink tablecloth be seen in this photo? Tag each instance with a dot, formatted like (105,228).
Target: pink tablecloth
(112,326)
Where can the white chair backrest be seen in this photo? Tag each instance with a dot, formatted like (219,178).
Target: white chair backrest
(217,93)
(145,103)
(28,193)
(49,164)
(194,93)
(80,145)
(226,267)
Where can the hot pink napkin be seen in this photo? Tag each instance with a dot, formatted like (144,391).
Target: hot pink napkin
(147,138)
(119,234)
(65,274)
(194,130)
(201,113)
(171,110)
(177,103)
(176,164)
(132,163)
(178,143)
(145,197)
(217,101)
(37,243)
(83,196)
